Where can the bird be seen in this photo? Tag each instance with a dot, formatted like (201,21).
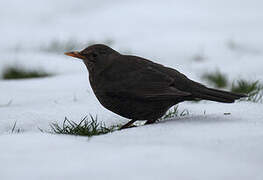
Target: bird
(139,89)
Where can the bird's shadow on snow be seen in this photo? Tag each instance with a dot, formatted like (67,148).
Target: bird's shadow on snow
(201,119)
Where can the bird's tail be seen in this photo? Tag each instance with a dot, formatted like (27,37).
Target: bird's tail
(217,95)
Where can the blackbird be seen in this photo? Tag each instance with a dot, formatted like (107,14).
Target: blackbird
(139,89)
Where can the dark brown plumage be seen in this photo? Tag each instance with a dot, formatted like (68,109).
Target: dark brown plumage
(139,89)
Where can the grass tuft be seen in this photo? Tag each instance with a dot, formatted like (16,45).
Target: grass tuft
(257,98)
(218,79)
(243,86)
(86,127)
(253,89)
(15,129)
(15,72)
(174,112)
(89,126)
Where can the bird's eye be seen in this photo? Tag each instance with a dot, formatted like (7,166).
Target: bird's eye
(94,55)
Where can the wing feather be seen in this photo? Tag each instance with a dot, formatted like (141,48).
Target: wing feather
(140,81)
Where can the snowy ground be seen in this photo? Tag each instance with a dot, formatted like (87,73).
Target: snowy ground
(204,145)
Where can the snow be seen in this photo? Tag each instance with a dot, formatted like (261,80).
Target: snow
(206,144)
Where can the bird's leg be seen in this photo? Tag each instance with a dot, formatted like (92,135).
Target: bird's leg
(150,121)
(127,125)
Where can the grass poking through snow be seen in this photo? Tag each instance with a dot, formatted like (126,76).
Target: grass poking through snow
(15,72)
(89,126)
(243,86)
(86,127)
(15,129)
(174,112)
(253,89)
(217,79)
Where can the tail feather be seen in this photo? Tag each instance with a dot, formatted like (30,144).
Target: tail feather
(217,95)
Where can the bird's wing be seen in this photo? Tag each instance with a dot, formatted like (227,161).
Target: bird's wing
(138,78)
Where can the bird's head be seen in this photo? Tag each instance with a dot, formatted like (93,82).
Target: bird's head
(96,57)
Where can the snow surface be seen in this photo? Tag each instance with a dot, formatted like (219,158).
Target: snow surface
(204,145)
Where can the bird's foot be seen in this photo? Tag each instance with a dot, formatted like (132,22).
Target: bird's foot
(150,122)
(131,126)
(128,125)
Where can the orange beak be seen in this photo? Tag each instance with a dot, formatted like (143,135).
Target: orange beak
(75,54)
